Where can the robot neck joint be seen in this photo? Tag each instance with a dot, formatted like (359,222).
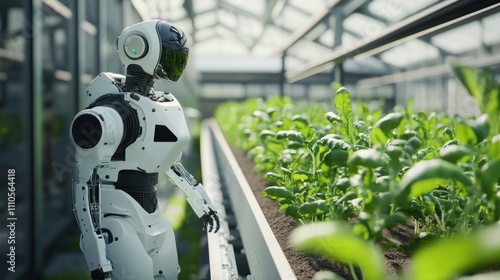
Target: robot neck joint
(137,80)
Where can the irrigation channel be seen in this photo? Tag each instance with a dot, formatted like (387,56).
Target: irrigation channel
(245,247)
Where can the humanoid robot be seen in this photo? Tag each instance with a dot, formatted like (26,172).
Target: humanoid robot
(125,137)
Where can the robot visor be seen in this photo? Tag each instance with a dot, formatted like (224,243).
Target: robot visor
(173,61)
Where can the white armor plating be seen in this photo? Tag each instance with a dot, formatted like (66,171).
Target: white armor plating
(120,238)
(144,154)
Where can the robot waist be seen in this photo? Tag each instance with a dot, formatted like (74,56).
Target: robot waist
(140,186)
(145,196)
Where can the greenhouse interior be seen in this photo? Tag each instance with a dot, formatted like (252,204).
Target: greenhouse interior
(333,139)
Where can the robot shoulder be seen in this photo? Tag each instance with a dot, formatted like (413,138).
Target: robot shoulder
(104,83)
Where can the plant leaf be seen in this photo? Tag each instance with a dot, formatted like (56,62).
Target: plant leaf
(333,118)
(291,135)
(344,109)
(334,240)
(455,153)
(278,193)
(369,158)
(377,136)
(465,134)
(445,259)
(310,208)
(425,175)
(494,147)
(389,122)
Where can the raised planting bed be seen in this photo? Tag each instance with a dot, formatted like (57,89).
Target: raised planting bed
(404,194)
(245,245)
(304,264)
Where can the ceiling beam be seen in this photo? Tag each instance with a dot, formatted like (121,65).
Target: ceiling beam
(308,26)
(435,19)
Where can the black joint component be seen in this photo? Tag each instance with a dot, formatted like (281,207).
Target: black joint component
(130,120)
(134,96)
(86,131)
(98,274)
(140,186)
(177,172)
(137,80)
(108,235)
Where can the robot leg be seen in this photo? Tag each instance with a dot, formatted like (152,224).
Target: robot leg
(165,260)
(126,251)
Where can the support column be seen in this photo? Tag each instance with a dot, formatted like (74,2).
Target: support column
(282,74)
(336,19)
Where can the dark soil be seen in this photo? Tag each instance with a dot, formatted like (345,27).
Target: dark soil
(305,265)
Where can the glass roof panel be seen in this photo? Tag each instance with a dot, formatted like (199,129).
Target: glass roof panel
(249,27)
(238,64)
(204,34)
(395,10)
(227,18)
(307,50)
(327,37)
(255,7)
(273,36)
(363,25)
(461,39)
(174,15)
(216,45)
(490,29)
(366,65)
(316,32)
(409,53)
(310,6)
(205,20)
(349,39)
(291,18)
(203,6)
(259,27)
(225,32)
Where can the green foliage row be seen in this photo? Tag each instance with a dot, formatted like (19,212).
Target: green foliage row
(374,171)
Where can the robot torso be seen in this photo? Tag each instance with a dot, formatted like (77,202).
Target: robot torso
(154,129)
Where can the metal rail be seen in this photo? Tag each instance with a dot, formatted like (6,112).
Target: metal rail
(435,19)
(263,254)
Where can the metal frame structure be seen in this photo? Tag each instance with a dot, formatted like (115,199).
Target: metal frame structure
(48,51)
(437,18)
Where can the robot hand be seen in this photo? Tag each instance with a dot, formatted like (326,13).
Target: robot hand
(196,196)
(208,220)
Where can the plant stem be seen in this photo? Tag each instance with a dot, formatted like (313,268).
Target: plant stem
(353,273)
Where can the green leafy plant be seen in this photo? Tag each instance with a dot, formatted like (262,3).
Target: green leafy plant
(373,171)
(481,84)
(441,259)
(336,241)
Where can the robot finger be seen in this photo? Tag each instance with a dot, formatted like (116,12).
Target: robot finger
(211,223)
(217,223)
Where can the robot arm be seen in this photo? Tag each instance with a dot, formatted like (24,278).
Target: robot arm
(96,134)
(195,195)
(93,240)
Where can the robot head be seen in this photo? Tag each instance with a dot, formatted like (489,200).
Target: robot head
(157,46)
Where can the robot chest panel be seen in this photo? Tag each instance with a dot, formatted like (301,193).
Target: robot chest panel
(163,137)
